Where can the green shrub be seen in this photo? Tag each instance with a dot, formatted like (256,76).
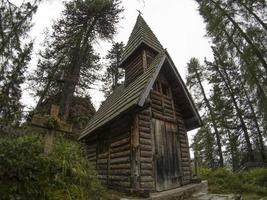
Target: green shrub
(26,173)
(222,180)
(254,181)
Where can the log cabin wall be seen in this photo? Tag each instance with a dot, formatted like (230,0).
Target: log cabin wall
(164,108)
(184,146)
(110,153)
(133,69)
(138,64)
(146,150)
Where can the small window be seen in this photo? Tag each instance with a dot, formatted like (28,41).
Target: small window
(165,90)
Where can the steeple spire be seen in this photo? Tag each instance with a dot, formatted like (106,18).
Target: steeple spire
(141,34)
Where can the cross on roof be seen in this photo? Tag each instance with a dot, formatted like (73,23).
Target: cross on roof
(140,13)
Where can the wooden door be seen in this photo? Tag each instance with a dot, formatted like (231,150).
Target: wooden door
(167,169)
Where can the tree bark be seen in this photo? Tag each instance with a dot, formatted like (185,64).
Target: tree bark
(244,35)
(261,143)
(228,85)
(213,119)
(254,15)
(73,78)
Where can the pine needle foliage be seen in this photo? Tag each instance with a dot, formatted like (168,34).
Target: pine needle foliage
(27,173)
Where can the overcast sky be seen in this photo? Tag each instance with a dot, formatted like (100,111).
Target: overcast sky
(176,23)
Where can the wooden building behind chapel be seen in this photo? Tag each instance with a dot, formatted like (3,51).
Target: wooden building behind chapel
(137,140)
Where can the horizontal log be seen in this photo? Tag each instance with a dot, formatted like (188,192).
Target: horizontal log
(185,164)
(124,184)
(120,166)
(120,142)
(156,95)
(144,123)
(123,172)
(183,145)
(91,150)
(120,160)
(145,147)
(163,118)
(119,178)
(144,117)
(144,172)
(186,169)
(144,129)
(186,173)
(120,154)
(147,185)
(166,98)
(91,155)
(146,160)
(185,159)
(102,167)
(168,112)
(157,108)
(147,154)
(145,135)
(102,172)
(156,101)
(103,155)
(120,148)
(91,158)
(168,103)
(185,154)
(146,166)
(145,112)
(102,161)
(146,179)
(101,176)
(145,141)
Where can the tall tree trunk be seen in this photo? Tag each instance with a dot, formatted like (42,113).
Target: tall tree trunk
(213,119)
(74,75)
(50,79)
(261,143)
(228,85)
(244,35)
(253,14)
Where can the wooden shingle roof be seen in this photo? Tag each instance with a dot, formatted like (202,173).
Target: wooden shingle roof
(125,97)
(141,34)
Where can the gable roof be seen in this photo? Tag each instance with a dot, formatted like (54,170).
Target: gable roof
(124,98)
(141,34)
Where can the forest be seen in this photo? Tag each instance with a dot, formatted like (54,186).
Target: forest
(37,161)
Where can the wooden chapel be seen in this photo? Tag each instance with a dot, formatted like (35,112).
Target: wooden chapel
(137,140)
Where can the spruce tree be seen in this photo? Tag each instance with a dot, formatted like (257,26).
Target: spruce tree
(113,74)
(15,52)
(240,24)
(195,79)
(69,65)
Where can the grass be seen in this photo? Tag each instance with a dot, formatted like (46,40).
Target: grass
(250,184)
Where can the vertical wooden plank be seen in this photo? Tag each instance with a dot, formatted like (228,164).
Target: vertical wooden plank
(135,168)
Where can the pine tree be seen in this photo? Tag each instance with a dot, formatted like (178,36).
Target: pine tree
(113,74)
(15,52)
(69,64)
(240,24)
(195,79)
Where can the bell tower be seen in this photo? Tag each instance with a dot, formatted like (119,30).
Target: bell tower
(142,47)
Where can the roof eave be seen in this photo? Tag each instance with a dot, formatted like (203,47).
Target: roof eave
(188,96)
